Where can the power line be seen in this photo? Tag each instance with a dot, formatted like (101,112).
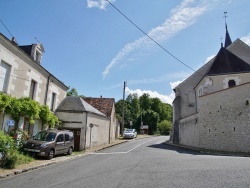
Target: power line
(7,29)
(150,37)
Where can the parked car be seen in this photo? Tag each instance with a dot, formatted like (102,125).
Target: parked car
(49,143)
(130,133)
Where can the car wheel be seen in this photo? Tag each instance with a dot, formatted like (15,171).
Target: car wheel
(51,154)
(70,151)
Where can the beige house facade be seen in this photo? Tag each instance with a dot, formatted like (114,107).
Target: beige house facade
(22,75)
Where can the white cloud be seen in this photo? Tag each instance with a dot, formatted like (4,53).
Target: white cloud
(182,16)
(153,94)
(246,39)
(101,4)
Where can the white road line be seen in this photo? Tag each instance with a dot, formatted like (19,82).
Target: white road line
(124,151)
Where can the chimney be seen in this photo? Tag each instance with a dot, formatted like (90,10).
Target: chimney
(101,96)
(14,41)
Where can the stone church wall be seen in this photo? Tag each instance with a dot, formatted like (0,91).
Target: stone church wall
(222,123)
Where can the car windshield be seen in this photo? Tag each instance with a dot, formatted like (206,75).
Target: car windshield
(129,130)
(45,136)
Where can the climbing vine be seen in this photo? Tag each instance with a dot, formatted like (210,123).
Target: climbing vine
(26,107)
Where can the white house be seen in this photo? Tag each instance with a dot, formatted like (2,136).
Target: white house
(22,75)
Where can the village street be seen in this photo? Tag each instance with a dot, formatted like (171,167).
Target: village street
(147,162)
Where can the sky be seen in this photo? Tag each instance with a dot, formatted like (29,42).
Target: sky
(95,46)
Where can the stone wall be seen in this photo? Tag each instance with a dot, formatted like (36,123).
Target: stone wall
(223,121)
(189,131)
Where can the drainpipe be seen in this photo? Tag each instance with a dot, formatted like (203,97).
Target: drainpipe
(109,128)
(46,94)
(47,89)
(85,131)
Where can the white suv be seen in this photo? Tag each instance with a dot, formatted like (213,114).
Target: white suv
(130,133)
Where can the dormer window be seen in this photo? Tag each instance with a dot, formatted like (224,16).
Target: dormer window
(38,56)
(38,51)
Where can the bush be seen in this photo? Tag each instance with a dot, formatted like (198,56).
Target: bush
(6,143)
(11,157)
(11,160)
(164,127)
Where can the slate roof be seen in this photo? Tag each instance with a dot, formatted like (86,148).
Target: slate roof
(27,49)
(77,104)
(227,63)
(104,105)
(228,40)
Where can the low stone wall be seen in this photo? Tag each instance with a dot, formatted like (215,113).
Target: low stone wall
(189,131)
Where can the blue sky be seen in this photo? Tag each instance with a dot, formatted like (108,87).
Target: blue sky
(90,46)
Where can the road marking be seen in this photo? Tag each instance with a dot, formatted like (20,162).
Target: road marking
(124,152)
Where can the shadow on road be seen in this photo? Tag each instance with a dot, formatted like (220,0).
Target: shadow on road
(184,150)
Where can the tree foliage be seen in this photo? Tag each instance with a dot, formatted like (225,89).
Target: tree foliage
(164,127)
(72,92)
(150,111)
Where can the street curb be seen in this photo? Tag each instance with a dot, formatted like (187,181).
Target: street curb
(208,151)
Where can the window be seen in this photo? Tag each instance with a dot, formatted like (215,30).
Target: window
(4,76)
(38,56)
(53,100)
(60,138)
(200,92)
(32,89)
(71,136)
(66,137)
(231,83)
(28,127)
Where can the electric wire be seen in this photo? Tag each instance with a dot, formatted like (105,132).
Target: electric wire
(7,29)
(150,37)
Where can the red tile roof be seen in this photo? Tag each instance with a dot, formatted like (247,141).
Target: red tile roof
(104,105)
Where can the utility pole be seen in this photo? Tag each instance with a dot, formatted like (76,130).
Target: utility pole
(123,103)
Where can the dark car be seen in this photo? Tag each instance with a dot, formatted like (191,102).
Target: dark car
(49,143)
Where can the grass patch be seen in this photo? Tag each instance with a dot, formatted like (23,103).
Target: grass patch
(15,158)
(78,152)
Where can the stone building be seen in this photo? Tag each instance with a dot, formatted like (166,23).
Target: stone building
(211,108)
(22,75)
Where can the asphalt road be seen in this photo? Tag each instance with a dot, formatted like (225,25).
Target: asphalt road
(140,163)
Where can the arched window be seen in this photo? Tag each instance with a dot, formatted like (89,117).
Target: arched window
(231,83)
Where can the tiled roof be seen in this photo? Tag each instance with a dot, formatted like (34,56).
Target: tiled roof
(104,105)
(77,104)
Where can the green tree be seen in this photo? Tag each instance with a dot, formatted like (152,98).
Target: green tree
(151,110)
(4,101)
(164,127)
(133,107)
(145,102)
(118,109)
(72,92)
(150,118)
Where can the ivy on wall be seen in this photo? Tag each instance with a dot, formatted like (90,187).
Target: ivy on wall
(26,107)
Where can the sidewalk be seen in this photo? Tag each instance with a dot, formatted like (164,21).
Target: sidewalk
(40,163)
